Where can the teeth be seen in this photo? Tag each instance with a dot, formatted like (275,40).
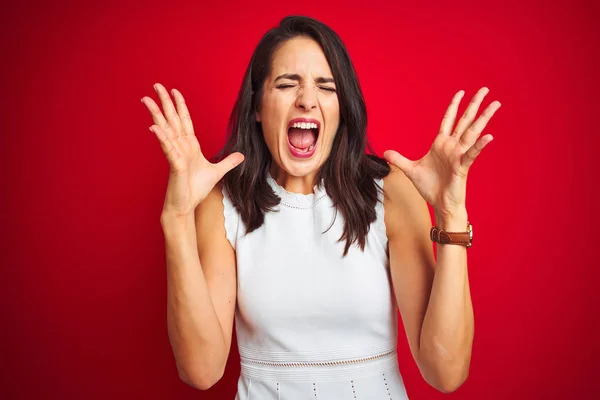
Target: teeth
(304,125)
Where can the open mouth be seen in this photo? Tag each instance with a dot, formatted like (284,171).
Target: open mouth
(302,136)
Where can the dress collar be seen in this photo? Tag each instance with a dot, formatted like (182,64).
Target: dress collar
(297,200)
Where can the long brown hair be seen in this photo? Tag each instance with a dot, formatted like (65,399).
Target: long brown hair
(349,172)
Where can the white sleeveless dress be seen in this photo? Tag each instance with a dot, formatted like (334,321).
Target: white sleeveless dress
(311,324)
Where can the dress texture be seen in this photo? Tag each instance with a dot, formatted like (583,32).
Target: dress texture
(310,323)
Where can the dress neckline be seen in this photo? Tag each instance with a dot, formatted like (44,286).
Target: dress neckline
(297,200)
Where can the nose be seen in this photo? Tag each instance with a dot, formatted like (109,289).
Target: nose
(307,98)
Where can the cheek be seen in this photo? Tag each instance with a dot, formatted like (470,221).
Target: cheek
(272,115)
(271,139)
(271,126)
(332,119)
(268,120)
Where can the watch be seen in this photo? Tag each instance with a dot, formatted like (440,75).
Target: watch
(461,238)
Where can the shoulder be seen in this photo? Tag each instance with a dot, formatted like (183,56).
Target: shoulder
(210,216)
(211,204)
(405,209)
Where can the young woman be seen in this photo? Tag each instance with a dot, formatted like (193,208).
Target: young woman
(309,241)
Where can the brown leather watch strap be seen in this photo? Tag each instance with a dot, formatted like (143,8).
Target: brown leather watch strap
(460,238)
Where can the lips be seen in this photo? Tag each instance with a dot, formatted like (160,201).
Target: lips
(303,134)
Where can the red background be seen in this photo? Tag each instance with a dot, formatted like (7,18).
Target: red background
(83,271)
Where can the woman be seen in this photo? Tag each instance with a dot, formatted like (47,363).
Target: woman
(316,242)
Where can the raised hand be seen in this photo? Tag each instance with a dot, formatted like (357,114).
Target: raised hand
(191,176)
(441,175)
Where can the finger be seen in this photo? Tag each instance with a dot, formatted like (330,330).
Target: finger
(399,161)
(469,116)
(229,163)
(158,117)
(473,152)
(169,109)
(450,116)
(168,146)
(184,114)
(474,131)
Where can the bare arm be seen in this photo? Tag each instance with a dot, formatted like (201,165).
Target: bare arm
(433,299)
(201,279)
(201,291)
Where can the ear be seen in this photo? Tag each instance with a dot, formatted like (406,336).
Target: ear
(257,116)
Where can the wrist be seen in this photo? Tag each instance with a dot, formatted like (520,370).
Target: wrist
(171,221)
(455,221)
(169,215)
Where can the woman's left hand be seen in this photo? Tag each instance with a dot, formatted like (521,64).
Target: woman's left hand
(441,175)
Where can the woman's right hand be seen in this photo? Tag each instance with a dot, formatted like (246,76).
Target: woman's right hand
(192,176)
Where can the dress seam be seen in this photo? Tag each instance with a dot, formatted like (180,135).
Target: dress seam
(249,387)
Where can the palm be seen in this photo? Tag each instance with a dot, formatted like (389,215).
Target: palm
(440,175)
(436,170)
(205,176)
(192,176)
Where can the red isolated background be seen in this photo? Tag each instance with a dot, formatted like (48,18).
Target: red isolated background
(83,271)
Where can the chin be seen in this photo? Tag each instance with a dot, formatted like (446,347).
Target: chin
(299,168)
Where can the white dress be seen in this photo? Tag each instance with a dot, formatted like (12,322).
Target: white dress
(310,324)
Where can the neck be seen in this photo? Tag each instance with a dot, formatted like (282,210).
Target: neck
(294,184)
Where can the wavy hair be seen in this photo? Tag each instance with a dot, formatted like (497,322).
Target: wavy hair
(348,173)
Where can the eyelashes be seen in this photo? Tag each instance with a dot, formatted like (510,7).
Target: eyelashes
(328,89)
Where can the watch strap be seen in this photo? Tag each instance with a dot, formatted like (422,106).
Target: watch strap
(459,238)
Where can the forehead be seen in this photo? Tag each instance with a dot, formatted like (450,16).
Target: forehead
(300,55)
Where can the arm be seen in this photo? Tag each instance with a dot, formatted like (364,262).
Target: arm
(433,298)
(201,291)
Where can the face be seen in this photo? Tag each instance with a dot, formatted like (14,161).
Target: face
(299,112)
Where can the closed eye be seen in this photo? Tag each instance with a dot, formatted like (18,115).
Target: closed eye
(329,89)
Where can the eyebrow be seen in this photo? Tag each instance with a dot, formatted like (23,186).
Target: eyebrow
(296,77)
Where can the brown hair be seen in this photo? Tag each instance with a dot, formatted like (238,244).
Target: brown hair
(349,172)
